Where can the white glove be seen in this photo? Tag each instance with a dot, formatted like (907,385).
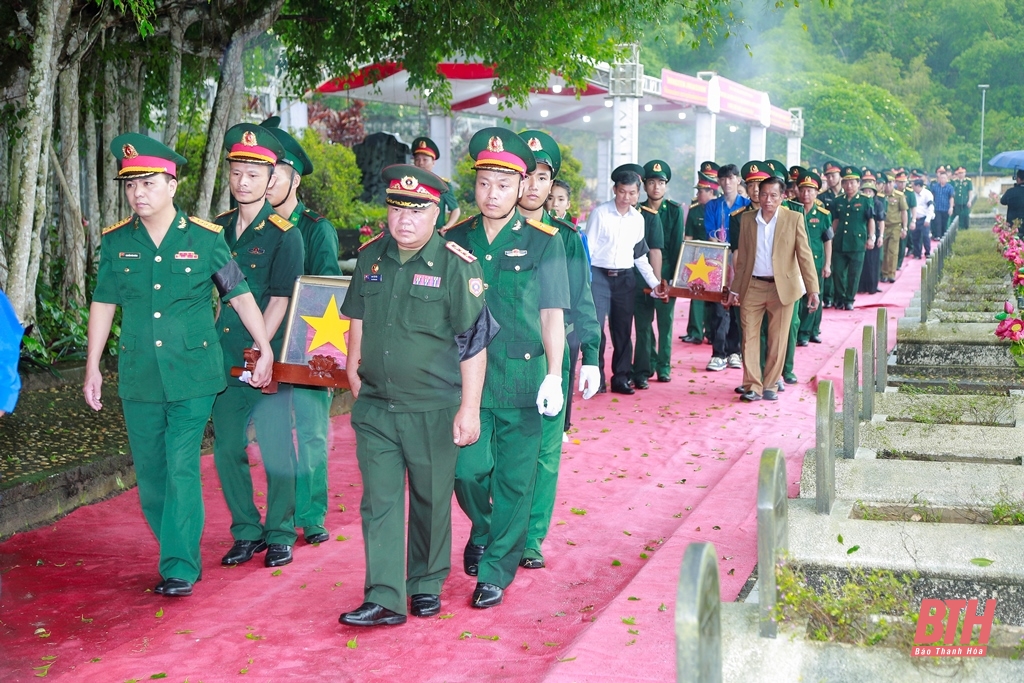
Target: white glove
(590,380)
(549,397)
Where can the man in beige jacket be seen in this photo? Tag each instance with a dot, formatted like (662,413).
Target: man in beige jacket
(774,266)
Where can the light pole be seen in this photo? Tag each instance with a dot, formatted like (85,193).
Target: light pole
(981,151)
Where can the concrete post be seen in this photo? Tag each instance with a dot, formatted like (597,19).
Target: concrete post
(705,131)
(824,449)
(698,617)
(851,412)
(441,134)
(868,385)
(604,169)
(925,303)
(625,138)
(881,350)
(772,532)
(758,142)
(794,150)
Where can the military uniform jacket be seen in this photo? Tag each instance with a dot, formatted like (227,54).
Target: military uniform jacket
(896,205)
(411,314)
(818,223)
(695,222)
(911,198)
(654,236)
(169,348)
(828,198)
(270,254)
(670,214)
(962,192)
(524,271)
(581,317)
(850,217)
(447,204)
(319,240)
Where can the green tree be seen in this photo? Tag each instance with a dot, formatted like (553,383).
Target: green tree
(334,184)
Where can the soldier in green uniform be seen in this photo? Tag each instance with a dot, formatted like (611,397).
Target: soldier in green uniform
(643,311)
(911,198)
(963,197)
(312,405)
(818,222)
(581,332)
(832,175)
(853,224)
(270,253)
(425,154)
(416,366)
(159,265)
(527,289)
(657,174)
(895,227)
(693,229)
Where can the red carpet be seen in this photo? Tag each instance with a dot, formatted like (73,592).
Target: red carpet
(645,475)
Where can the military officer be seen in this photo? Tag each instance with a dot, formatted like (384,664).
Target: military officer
(911,198)
(818,222)
(425,154)
(963,196)
(693,229)
(312,405)
(270,253)
(831,174)
(158,265)
(895,226)
(527,289)
(657,175)
(853,224)
(416,366)
(581,331)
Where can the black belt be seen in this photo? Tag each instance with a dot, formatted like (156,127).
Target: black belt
(612,272)
(763,278)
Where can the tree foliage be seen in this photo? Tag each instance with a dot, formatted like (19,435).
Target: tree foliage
(334,184)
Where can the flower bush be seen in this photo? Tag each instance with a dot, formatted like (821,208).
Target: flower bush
(1011,323)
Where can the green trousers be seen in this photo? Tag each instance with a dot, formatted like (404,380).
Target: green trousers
(810,323)
(165,439)
(312,407)
(695,321)
(494,486)
(543,506)
(965,218)
(846,267)
(650,357)
(272,416)
(787,365)
(390,446)
(828,285)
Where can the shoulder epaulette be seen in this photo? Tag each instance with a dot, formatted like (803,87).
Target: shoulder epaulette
(694,203)
(459,251)
(644,207)
(674,202)
(543,227)
(567,224)
(446,180)
(202,223)
(899,192)
(459,224)
(739,211)
(370,241)
(229,211)
(119,224)
(280,223)
(823,210)
(309,213)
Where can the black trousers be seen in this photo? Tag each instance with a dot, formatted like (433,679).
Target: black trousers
(614,300)
(920,238)
(941,223)
(724,327)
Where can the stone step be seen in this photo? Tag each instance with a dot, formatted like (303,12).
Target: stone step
(952,344)
(1002,411)
(957,443)
(964,316)
(989,306)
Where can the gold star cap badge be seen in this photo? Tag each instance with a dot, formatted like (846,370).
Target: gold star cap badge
(495,145)
(129,151)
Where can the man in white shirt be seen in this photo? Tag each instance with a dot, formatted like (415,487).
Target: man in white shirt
(615,234)
(924,212)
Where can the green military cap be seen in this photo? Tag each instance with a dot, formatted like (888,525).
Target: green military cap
(867,174)
(815,169)
(499,149)
(831,166)
(545,149)
(253,144)
(849,172)
(709,170)
(940,169)
(900,174)
(884,178)
(411,187)
(294,155)
(656,168)
(424,145)
(271,122)
(794,173)
(139,156)
(960,168)
(808,178)
(627,168)
(755,171)
(777,169)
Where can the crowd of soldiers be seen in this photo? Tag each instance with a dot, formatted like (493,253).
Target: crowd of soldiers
(464,342)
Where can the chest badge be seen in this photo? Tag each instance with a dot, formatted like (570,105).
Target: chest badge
(426,280)
(375,268)
(257,251)
(186,256)
(517,225)
(476,286)
(128,254)
(516,252)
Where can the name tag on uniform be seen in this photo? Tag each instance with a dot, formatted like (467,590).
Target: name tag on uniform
(426,280)
(186,256)
(128,254)
(373,278)
(516,252)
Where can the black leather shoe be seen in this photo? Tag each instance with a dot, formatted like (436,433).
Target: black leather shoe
(789,379)
(471,558)
(321,537)
(740,390)
(425,605)
(815,339)
(371,614)
(532,563)
(175,588)
(750,397)
(242,551)
(769,395)
(603,389)
(278,555)
(487,595)
(622,389)
(801,342)
(692,340)
(159,589)
(641,384)
(664,378)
